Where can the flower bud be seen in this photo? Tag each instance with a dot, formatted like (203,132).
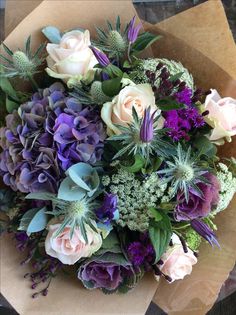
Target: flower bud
(22,63)
(97,93)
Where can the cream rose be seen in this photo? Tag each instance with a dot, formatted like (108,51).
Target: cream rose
(221,117)
(176,263)
(72,57)
(67,250)
(119,110)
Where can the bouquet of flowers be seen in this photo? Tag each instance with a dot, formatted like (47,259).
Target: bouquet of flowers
(110,161)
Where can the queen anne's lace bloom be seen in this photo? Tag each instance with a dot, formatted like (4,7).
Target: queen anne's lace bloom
(227,187)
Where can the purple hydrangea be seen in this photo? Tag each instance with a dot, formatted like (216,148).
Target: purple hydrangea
(181,121)
(198,206)
(45,137)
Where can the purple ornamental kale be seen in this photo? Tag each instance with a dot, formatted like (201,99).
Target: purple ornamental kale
(198,206)
(181,121)
(45,137)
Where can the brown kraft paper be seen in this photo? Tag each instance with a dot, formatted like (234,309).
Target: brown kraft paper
(195,294)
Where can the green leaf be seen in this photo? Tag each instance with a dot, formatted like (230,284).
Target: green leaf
(41,196)
(27,46)
(34,220)
(166,104)
(127,64)
(111,87)
(136,166)
(11,105)
(176,76)
(144,40)
(205,146)
(53,34)
(7,50)
(160,234)
(113,71)
(155,214)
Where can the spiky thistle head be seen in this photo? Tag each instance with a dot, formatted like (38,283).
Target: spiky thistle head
(113,41)
(75,214)
(22,63)
(183,171)
(138,138)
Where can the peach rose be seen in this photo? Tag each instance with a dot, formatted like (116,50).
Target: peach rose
(221,117)
(72,57)
(67,250)
(119,110)
(177,264)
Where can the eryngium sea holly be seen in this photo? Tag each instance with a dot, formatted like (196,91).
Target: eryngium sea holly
(143,136)
(182,170)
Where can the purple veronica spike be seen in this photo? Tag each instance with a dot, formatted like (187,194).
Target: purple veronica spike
(106,212)
(100,56)
(133,30)
(205,231)
(147,129)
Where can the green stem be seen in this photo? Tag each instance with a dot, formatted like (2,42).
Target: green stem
(128,53)
(33,82)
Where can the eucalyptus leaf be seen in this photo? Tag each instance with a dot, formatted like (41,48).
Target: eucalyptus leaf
(69,191)
(52,33)
(41,196)
(34,220)
(84,176)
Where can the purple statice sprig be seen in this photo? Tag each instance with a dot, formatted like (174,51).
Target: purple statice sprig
(45,267)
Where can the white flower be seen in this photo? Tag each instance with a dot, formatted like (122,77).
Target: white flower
(221,117)
(70,250)
(176,263)
(119,110)
(71,58)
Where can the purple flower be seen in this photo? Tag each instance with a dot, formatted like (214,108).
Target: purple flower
(182,121)
(102,275)
(147,129)
(133,30)
(198,206)
(141,252)
(106,212)
(100,56)
(204,230)
(49,133)
(184,96)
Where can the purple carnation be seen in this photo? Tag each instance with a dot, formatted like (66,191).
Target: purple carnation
(181,121)
(102,275)
(45,137)
(198,206)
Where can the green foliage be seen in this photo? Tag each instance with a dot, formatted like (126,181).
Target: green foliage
(52,33)
(168,103)
(160,233)
(205,146)
(143,41)
(111,87)
(136,166)
(34,220)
